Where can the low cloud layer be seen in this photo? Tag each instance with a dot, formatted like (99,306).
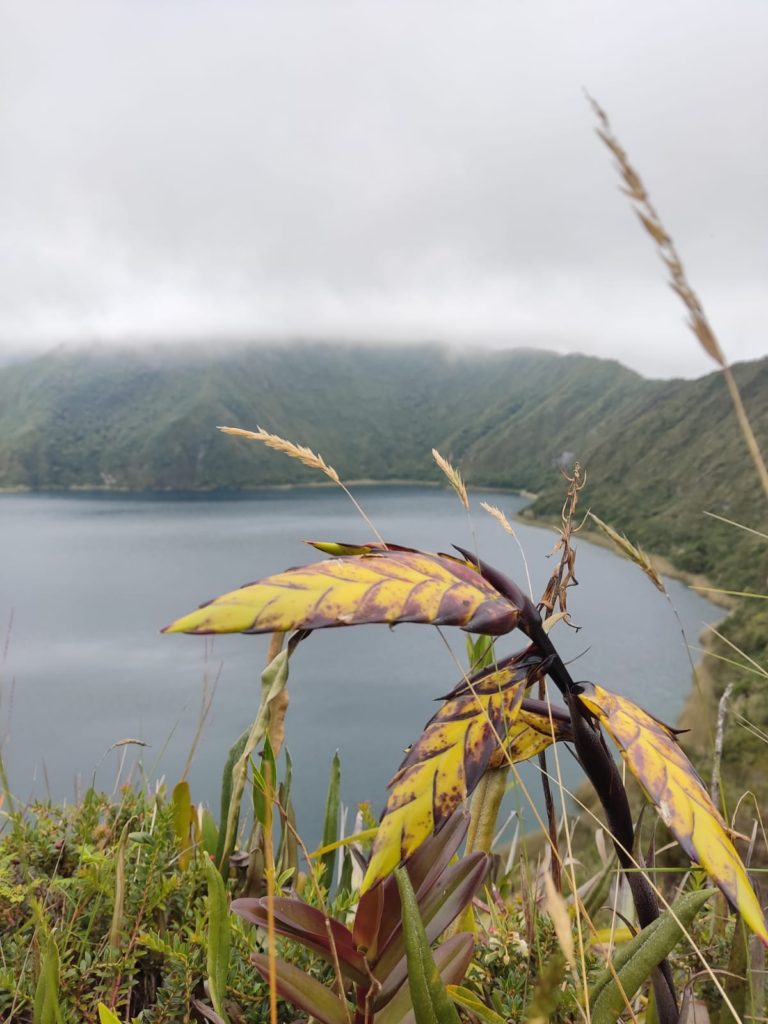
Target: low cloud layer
(371,171)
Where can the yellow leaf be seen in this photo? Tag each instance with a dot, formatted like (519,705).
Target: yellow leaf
(387,585)
(531,732)
(669,779)
(106,1016)
(446,763)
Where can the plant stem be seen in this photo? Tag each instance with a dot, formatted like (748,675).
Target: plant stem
(555,866)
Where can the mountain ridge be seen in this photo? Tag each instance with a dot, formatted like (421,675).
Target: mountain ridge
(657,452)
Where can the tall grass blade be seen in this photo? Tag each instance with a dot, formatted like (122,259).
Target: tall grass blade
(218,938)
(331,822)
(737,980)
(116,928)
(225,802)
(273,679)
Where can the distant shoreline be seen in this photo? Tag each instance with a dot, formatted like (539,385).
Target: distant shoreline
(255,488)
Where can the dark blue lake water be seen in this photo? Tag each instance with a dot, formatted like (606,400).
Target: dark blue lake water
(88,581)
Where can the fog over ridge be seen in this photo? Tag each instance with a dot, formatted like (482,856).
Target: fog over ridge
(391,172)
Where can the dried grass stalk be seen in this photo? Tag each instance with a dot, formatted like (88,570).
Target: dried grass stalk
(649,218)
(678,281)
(501,519)
(453,476)
(635,554)
(295,451)
(498,515)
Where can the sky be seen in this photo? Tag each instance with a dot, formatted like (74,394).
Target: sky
(381,171)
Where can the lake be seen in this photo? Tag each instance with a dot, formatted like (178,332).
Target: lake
(88,580)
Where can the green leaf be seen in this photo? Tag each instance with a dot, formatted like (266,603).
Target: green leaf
(259,795)
(452,958)
(209,832)
(471,1001)
(331,822)
(634,961)
(264,784)
(308,994)
(287,848)
(46,1008)
(106,1016)
(345,881)
(219,938)
(225,802)
(431,1002)
(183,813)
(480,653)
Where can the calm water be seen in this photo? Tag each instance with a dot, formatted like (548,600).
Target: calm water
(87,581)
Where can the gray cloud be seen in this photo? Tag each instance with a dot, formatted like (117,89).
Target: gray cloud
(381,170)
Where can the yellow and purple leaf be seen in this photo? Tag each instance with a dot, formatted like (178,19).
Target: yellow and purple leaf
(536,727)
(669,779)
(374,584)
(445,764)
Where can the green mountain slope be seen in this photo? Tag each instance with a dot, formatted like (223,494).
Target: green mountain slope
(148,420)
(672,452)
(658,453)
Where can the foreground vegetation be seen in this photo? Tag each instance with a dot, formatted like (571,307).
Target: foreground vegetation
(130,927)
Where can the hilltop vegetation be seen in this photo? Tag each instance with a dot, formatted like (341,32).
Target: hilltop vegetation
(147,421)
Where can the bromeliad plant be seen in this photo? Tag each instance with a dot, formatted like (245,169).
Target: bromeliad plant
(371,956)
(486,722)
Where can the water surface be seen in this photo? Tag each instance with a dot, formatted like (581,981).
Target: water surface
(88,581)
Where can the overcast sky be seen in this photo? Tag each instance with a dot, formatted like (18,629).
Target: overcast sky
(381,170)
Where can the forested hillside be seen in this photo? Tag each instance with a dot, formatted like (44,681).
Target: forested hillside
(148,420)
(657,453)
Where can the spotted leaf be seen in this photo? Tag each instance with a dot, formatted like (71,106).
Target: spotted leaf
(531,732)
(374,584)
(443,767)
(669,779)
